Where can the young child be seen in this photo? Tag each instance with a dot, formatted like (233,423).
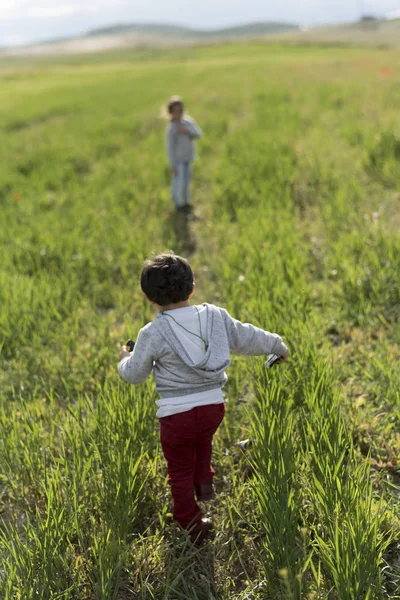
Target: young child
(180,135)
(187,348)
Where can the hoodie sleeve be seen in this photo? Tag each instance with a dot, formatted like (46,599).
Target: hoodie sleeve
(194,130)
(137,367)
(245,338)
(170,140)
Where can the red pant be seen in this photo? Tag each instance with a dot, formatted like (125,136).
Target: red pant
(186,440)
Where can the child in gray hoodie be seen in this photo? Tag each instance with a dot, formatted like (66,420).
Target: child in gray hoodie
(187,348)
(181,134)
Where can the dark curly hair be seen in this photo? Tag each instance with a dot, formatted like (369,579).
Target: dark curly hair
(166,279)
(174,101)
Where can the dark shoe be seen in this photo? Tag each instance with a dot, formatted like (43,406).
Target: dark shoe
(205,492)
(201,531)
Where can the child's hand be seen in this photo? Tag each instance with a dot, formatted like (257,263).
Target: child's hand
(174,171)
(124,353)
(285,356)
(183,129)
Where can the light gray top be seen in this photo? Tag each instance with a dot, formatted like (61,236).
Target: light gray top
(181,146)
(159,350)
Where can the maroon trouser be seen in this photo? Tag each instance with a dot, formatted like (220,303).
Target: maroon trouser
(186,440)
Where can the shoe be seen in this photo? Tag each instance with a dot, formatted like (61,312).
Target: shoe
(205,491)
(200,532)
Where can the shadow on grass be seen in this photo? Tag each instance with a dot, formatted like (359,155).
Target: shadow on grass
(170,567)
(185,242)
(189,569)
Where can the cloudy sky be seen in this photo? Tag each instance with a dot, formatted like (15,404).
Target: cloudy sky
(24,21)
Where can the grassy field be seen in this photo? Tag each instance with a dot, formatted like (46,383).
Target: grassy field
(297,190)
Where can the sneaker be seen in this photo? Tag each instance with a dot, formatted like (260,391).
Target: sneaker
(201,531)
(205,491)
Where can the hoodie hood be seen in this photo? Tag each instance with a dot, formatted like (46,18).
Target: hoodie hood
(215,359)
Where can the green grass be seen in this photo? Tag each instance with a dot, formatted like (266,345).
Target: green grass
(301,149)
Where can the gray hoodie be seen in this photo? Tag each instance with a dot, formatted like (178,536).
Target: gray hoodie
(180,146)
(159,350)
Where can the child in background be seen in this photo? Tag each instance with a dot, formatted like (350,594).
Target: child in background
(181,134)
(187,348)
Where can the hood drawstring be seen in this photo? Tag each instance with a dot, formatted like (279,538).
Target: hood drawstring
(188,330)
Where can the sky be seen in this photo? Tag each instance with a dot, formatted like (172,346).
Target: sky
(26,21)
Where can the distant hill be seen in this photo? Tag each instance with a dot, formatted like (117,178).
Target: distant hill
(147,35)
(367,32)
(177,31)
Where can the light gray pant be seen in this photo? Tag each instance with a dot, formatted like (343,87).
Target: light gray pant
(180,184)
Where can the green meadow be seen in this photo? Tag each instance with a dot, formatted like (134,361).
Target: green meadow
(297,192)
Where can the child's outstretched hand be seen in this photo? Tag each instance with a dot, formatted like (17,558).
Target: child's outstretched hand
(124,353)
(183,129)
(285,356)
